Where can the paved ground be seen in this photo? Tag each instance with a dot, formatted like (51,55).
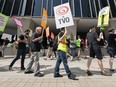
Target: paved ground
(17,78)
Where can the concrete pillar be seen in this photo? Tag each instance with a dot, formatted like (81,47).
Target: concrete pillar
(23,7)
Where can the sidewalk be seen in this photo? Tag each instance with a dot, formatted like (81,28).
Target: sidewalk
(17,78)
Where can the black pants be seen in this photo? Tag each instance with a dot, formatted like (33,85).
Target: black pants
(20,52)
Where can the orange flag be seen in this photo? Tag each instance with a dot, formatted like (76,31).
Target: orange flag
(52,35)
(47,32)
(44,19)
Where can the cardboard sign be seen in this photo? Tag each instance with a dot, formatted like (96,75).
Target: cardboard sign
(103,12)
(4,36)
(44,19)
(18,22)
(63,16)
(47,32)
(3,22)
(52,35)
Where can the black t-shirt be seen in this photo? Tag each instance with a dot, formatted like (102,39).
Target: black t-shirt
(111,40)
(92,38)
(22,45)
(36,46)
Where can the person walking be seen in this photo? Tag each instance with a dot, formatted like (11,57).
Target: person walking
(93,39)
(21,50)
(111,48)
(62,48)
(50,48)
(35,48)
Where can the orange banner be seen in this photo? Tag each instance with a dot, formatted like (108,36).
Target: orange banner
(52,35)
(44,19)
(47,32)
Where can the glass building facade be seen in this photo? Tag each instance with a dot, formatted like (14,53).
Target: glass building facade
(79,8)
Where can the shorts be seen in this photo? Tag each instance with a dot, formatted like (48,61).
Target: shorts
(96,51)
(111,51)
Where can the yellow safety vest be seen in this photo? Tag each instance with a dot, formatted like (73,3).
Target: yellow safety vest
(62,45)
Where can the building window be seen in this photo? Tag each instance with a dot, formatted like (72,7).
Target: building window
(16,7)
(55,3)
(97,6)
(28,7)
(64,1)
(44,3)
(49,8)
(1,4)
(113,8)
(37,8)
(7,7)
(103,3)
(86,8)
(93,9)
(77,8)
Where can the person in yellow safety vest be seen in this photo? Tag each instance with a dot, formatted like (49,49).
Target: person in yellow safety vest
(62,48)
(78,44)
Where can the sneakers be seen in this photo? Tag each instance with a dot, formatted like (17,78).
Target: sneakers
(10,68)
(28,72)
(72,76)
(89,73)
(39,75)
(106,73)
(59,75)
(112,70)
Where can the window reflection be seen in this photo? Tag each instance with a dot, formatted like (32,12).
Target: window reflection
(86,8)
(1,4)
(37,8)
(113,8)
(16,7)
(49,7)
(7,7)
(77,8)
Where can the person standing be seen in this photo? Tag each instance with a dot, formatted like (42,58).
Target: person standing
(35,48)
(78,44)
(92,38)
(5,43)
(111,47)
(21,50)
(50,48)
(62,48)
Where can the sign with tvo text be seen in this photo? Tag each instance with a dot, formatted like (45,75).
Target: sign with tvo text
(63,16)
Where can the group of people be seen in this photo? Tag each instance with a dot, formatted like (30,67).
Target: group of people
(92,40)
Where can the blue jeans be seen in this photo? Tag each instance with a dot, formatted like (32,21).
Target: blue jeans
(61,57)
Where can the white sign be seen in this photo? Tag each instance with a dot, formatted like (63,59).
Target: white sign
(18,22)
(4,36)
(104,11)
(114,31)
(63,16)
